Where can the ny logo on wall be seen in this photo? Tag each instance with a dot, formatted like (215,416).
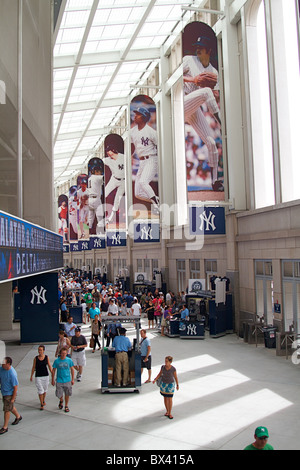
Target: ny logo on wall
(147,232)
(38,296)
(207,220)
(116,239)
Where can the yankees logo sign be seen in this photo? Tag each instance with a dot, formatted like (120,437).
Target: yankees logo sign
(207,220)
(38,296)
(146,233)
(116,238)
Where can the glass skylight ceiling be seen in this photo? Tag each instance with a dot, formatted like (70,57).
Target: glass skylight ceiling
(102,47)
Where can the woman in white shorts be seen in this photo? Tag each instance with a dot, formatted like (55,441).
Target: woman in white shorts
(41,367)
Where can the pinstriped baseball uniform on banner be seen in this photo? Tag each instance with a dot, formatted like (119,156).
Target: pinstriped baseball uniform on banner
(145,142)
(116,164)
(194,97)
(95,183)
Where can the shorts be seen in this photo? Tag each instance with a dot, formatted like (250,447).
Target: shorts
(147,364)
(7,403)
(78,358)
(63,388)
(42,384)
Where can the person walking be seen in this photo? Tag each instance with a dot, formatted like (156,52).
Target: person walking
(9,387)
(63,342)
(96,328)
(78,345)
(64,367)
(168,378)
(150,314)
(145,345)
(41,367)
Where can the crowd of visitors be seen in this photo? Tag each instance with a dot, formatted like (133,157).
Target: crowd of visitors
(97,298)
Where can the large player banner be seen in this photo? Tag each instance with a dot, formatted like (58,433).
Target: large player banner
(144,142)
(115,202)
(83,207)
(73,218)
(203,138)
(63,217)
(96,214)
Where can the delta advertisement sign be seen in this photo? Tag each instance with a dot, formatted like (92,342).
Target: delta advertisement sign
(27,249)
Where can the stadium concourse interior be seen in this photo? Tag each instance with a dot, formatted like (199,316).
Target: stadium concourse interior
(155,142)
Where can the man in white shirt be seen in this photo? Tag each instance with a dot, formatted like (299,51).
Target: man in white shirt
(136,309)
(112,308)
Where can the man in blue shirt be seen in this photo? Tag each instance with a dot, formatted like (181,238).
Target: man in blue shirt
(184,312)
(122,345)
(9,387)
(129,301)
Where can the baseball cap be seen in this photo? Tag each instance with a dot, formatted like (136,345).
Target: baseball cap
(261,431)
(203,41)
(143,111)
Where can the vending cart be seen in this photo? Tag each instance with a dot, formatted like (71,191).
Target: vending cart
(108,356)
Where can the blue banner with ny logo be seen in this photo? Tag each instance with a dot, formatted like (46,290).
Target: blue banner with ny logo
(207,220)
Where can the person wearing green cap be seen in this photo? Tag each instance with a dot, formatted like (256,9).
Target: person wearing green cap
(261,436)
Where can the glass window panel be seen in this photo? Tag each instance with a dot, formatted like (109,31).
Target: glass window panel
(259,265)
(288,269)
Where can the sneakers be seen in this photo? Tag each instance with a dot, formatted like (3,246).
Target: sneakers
(78,378)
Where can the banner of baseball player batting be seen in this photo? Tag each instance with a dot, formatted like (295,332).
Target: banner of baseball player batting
(144,158)
(115,203)
(203,138)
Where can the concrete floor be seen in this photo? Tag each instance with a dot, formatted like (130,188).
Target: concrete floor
(227,388)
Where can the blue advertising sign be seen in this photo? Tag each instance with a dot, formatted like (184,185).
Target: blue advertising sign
(207,220)
(27,249)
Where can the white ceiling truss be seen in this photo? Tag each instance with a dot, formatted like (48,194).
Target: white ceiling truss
(102,51)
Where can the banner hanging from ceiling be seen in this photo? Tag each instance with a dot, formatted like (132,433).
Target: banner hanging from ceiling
(115,189)
(63,217)
(96,203)
(73,216)
(83,207)
(203,138)
(144,143)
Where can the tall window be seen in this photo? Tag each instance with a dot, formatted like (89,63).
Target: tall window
(286,58)
(261,113)
(181,275)
(273,57)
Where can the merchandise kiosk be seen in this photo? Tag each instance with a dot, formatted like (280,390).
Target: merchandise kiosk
(108,358)
(73,297)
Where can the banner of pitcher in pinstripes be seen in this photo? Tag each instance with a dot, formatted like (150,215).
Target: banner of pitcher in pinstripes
(203,138)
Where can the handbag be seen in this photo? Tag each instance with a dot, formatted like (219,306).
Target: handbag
(158,382)
(92,343)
